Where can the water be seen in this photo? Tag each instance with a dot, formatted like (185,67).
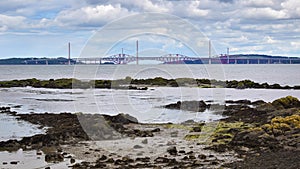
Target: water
(14,129)
(28,160)
(281,74)
(145,105)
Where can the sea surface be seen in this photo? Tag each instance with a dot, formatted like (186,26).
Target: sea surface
(283,74)
(146,106)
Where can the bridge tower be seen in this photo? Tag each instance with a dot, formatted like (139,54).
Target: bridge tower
(69,53)
(137,52)
(209,52)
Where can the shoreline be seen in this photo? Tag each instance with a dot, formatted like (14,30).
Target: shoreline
(252,132)
(141,84)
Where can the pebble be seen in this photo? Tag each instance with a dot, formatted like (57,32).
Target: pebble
(145,141)
(14,162)
(172,150)
(72,160)
(202,156)
(102,158)
(137,147)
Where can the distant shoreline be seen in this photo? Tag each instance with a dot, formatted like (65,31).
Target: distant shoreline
(166,59)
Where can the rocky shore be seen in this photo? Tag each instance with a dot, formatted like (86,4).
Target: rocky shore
(140,84)
(252,135)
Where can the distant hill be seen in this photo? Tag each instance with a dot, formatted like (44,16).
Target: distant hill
(36,61)
(241,59)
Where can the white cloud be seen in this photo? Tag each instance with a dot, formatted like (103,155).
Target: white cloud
(263,13)
(91,15)
(296,44)
(270,40)
(11,22)
(292,8)
(272,24)
(149,6)
(258,3)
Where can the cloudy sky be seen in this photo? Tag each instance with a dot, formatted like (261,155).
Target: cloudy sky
(44,27)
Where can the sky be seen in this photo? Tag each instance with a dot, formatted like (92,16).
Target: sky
(43,28)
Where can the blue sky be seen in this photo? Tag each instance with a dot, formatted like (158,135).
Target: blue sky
(44,27)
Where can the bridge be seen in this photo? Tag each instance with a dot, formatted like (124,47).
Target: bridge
(181,59)
(125,59)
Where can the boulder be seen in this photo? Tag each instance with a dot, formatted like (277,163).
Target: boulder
(286,102)
(172,150)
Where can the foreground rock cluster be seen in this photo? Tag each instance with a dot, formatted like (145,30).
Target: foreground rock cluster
(253,135)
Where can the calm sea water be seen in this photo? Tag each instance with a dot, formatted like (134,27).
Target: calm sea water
(282,74)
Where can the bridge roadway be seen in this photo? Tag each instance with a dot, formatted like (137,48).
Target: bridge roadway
(179,59)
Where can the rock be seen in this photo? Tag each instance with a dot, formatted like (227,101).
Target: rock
(172,150)
(155,130)
(181,151)
(99,165)
(172,162)
(102,158)
(137,147)
(145,159)
(47,168)
(169,143)
(238,101)
(192,157)
(140,153)
(14,162)
(197,106)
(202,156)
(145,141)
(286,102)
(110,160)
(69,156)
(197,163)
(121,118)
(4,163)
(214,163)
(127,160)
(196,129)
(188,122)
(119,162)
(185,158)
(162,160)
(72,160)
(246,149)
(174,134)
(54,157)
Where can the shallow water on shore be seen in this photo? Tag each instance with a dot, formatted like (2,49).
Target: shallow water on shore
(146,106)
(28,160)
(14,129)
